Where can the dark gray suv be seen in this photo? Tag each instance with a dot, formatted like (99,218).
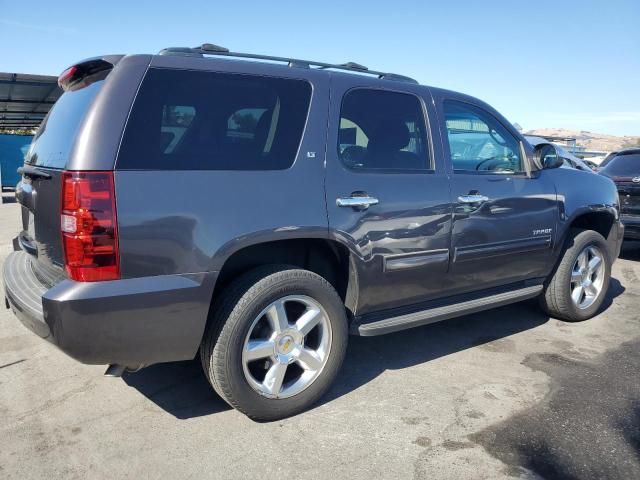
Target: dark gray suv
(258,209)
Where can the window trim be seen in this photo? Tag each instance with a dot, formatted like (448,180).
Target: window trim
(430,164)
(457,171)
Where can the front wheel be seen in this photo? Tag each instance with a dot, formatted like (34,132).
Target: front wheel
(579,285)
(275,341)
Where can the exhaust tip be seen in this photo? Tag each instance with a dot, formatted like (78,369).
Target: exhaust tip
(114,370)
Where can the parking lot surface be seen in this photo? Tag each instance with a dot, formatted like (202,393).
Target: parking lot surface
(504,393)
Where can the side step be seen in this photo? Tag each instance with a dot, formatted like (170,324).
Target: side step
(436,314)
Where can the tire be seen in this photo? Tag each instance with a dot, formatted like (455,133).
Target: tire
(556,299)
(247,306)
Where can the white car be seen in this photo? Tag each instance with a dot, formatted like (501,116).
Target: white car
(569,159)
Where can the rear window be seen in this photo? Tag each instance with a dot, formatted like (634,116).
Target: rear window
(188,120)
(52,144)
(623,166)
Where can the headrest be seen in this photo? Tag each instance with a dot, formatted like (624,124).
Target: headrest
(390,134)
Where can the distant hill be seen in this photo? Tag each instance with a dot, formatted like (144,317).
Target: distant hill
(590,140)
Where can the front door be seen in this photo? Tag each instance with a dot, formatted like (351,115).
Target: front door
(504,213)
(387,198)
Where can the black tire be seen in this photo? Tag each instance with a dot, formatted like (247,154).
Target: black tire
(556,298)
(233,315)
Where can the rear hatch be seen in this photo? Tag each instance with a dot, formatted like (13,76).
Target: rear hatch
(624,170)
(39,190)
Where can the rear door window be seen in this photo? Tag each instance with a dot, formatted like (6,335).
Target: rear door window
(382,130)
(188,120)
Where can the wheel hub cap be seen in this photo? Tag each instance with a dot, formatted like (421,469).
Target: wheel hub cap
(587,277)
(287,347)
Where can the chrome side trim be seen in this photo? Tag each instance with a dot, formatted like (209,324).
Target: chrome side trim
(474,252)
(437,314)
(403,261)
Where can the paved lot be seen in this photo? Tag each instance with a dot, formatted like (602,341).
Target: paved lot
(503,393)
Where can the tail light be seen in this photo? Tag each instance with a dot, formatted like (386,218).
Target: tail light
(89,226)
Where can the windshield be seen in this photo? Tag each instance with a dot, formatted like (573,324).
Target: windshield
(54,140)
(623,166)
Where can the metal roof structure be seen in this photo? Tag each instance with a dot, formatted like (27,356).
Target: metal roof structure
(25,99)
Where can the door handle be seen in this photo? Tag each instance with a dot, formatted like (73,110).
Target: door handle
(363,202)
(474,198)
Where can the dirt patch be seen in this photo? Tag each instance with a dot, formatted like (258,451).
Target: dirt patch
(453,445)
(423,442)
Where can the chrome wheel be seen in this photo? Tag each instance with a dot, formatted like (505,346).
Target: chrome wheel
(287,347)
(587,277)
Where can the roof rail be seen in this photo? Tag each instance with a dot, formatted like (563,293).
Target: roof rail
(211,49)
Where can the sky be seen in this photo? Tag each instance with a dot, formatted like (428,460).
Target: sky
(543,64)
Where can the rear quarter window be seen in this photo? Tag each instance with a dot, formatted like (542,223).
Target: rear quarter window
(190,120)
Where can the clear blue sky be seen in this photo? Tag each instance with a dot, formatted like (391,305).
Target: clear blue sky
(572,64)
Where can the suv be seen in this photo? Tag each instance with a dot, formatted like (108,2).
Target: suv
(623,168)
(256,210)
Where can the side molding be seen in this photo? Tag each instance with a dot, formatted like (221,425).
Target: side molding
(432,315)
(424,258)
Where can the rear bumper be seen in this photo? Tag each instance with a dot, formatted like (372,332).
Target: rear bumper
(131,322)
(631,226)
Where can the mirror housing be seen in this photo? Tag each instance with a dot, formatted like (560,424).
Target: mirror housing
(547,155)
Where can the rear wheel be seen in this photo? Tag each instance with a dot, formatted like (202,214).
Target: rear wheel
(578,287)
(275,342)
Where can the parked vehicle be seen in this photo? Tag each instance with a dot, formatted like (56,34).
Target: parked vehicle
(607,159)
(13,149)
(624,169)
(590,163)
(569,160)
(258,211)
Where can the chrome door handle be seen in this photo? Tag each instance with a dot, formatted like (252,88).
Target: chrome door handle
(356,202)
(473,199)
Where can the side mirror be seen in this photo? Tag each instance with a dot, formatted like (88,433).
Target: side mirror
(547,155)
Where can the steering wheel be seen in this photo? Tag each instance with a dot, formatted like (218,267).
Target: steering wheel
(497,162)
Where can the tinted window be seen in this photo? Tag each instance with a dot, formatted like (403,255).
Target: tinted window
(186,120)
(54,140)
(478,141)
(623,166)
(382,130)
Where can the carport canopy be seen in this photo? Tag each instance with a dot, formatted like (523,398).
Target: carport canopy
(25,99)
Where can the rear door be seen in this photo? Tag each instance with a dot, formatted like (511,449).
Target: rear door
(39,190)
(387,197)
(505,214)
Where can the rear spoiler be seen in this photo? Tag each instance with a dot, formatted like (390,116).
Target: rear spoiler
(85,72)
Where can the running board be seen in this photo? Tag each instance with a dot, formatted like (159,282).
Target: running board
(436,314)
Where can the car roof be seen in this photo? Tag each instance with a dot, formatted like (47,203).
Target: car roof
(628,151)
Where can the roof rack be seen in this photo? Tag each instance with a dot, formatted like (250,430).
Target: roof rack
(211,49)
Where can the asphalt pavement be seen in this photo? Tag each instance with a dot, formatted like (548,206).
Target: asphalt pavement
(501,394)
